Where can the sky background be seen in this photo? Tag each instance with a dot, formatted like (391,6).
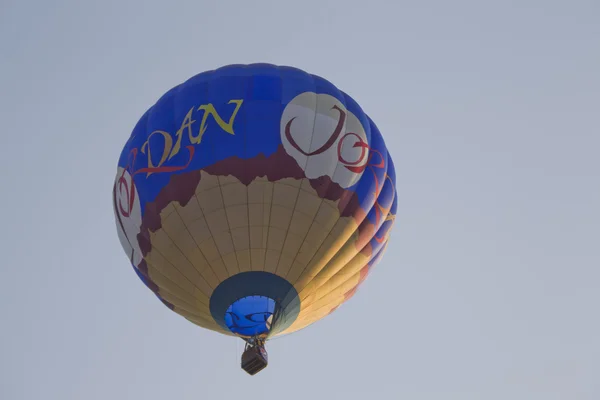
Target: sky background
(491,285)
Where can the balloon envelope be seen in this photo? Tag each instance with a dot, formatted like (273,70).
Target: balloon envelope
(253,199)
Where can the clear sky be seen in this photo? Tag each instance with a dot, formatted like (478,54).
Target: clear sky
(491,286)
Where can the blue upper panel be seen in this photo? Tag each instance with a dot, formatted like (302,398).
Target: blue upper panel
(161,143)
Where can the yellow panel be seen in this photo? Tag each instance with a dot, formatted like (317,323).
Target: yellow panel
(195,298)
(275,239)
(352,269)
(210,199)
(331,294)
(282,227)
(321,253)
(231,263)
(314,317)
(217,221)
(190,309)
(292,244)
(283,264)
(180,235)
(244,261)
(167,269)
(210,251)
(257,258)
(285,195)
(198,228)
(280,217)
(219,266)
(257,191)
(271,260)
(237,216)
(321,308)
(258,237)
(208,182)
(343,259)
(241,239)
(348,260)
(234,193)
(256,214)
(308,204)
(190,212)
(300,223)
(224,243)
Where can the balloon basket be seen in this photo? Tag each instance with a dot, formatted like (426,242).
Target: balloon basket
(254,358)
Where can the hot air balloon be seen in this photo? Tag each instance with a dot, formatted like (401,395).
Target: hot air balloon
(253,200)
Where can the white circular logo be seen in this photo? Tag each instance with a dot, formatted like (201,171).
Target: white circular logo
(324,138)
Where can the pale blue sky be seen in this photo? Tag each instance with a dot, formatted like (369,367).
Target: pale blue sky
(491,286)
